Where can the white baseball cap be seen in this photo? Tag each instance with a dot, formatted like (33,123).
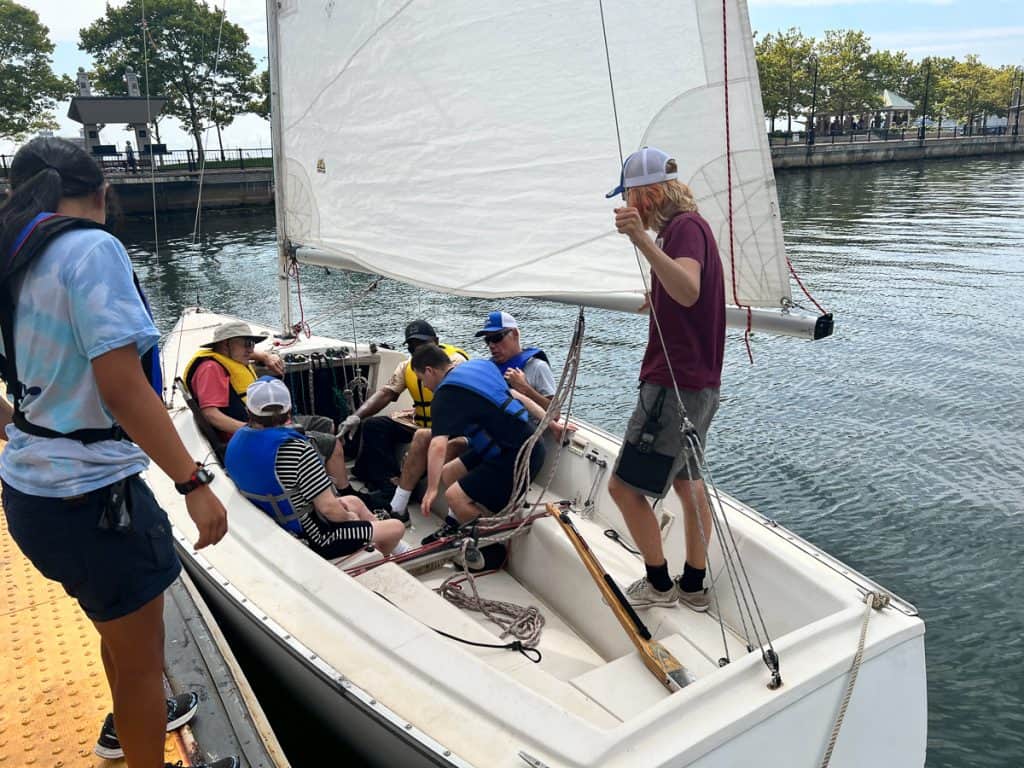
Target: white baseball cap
(643,167)
(265,393)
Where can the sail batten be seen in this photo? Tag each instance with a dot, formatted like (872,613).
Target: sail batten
(465,146)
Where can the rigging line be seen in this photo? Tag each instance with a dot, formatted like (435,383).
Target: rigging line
(213,103)
(166,395)
(802,288)
(728,178)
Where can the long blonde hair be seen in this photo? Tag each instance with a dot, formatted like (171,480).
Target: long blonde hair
(659,203)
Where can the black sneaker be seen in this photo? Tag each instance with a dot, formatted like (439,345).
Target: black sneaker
(180,710)
(403,516)
(372,499)
(224,762)
(445,530)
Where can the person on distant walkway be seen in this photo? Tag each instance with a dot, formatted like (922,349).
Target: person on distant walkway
(278,469)
(129,156)
(218,376)
(687,302)
(526,370)
(377,464)
(472,400)
(86,420)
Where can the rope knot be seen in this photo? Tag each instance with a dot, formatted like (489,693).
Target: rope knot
(878,600)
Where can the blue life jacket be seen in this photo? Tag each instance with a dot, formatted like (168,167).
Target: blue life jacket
(251,460)
(520,360)
(484,379)
(29,245)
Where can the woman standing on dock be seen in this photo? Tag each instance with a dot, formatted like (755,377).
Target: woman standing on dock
(73,312)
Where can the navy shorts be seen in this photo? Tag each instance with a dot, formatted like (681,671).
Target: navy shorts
(489,481)
(111,574)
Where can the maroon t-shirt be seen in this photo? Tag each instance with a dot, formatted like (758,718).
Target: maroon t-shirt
(695,336)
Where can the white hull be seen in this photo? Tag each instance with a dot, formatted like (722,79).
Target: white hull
(404,695)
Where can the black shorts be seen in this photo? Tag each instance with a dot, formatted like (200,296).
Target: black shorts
(489,481)
(111,574)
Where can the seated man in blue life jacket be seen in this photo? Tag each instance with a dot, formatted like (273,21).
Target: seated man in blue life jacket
(281,472)
(381,436)
(527,371)
(473,400)
(218,376)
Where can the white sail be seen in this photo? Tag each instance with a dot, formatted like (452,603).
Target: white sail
(466,146)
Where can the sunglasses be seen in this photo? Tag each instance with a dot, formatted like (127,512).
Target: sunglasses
(494,338)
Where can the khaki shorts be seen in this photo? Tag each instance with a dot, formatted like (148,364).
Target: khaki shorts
(654,450)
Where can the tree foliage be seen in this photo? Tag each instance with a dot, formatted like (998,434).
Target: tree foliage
(852,77)
(261,104)
(196,59)
(783,63)
(29,89)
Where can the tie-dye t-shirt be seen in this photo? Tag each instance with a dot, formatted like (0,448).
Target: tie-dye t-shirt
(76,303)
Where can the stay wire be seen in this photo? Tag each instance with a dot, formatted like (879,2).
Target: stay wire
(213,103)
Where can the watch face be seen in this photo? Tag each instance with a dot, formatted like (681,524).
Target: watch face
(204,476)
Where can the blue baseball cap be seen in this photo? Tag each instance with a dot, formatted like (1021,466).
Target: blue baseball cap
(497,321)
(643,167)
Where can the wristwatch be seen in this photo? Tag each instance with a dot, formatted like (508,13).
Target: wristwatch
(201,476)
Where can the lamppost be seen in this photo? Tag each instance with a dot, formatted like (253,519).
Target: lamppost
(924,108)
(1020,97)
(814,101)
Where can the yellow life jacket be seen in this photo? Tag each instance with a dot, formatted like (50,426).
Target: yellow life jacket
(240,375)
(422,396)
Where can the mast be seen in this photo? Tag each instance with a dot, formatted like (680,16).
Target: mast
(280,171)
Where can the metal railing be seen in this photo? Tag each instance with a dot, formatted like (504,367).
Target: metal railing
(782,139)
(173,161)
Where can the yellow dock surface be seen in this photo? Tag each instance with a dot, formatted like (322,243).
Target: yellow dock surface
(53,691)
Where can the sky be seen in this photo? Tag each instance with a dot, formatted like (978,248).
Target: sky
(992,29)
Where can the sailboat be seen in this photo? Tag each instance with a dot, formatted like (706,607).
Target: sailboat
(464,147)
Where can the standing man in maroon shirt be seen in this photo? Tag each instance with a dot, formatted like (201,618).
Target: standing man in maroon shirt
(685,342)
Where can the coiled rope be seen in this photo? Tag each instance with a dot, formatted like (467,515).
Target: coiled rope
(524,624)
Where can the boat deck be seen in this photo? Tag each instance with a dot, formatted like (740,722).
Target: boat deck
(55,690)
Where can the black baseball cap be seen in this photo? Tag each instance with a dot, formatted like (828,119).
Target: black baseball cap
(420,330)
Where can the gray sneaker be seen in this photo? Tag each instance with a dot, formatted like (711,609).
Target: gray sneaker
(698,601)
(642,594)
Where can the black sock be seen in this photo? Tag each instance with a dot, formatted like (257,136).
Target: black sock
(348,490)
(451,521)
(658,576)
(692,579)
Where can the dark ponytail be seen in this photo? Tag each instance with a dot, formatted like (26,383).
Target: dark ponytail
(42,172)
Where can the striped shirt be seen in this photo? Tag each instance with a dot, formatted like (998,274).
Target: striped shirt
(301,472)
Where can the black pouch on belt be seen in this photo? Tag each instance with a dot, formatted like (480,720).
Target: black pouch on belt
(116,515)
(640,465)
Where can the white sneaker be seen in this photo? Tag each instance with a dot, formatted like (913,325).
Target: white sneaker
(642,594)
(697,601)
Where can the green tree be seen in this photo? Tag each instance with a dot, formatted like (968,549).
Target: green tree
(29,89)
(196,59)
(261,104)
(783,66)
(968,89)
(843,74)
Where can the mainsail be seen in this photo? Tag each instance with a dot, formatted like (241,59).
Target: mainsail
(466,146)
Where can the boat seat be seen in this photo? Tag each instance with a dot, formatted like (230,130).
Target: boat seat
(424,605)
(580,603)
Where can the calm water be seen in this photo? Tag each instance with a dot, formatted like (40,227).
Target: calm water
(897,445)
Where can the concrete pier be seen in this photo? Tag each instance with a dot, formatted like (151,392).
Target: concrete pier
(221,188)
(824,153)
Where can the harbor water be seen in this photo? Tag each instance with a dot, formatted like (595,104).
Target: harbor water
(897,445)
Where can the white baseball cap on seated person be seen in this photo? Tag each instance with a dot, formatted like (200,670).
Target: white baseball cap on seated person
(497,321)
(645,166)
(268,396)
